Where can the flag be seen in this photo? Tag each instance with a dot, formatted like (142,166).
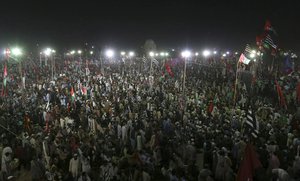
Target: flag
(168,69)
(269,42)
(298,92)
(251,124)
(243,59)
(269,27)
(280,95)
(248,49)
(249,164)
(72,94)
(210,107)
(4,89)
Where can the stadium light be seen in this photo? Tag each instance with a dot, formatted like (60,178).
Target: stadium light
(123,53)
(162,54)
(156,54)
(215,52)
(79,52)
(72,52)
(47,51)
(186,54)
(196,54)
(227,53)
(131,54)
(91,52)
(236,53)
(151,54)
(252,55)
(109,53)
(16,51)
(166,54)
(206,53)
(224,55)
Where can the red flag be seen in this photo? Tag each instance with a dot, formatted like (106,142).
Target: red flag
(268,26)
(249,164)
(168,68)
(298,92)
(280,94)
(210,107)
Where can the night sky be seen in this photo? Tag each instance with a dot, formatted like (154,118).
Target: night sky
(171,24)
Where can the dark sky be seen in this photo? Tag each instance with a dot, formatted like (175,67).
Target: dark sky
(129,23)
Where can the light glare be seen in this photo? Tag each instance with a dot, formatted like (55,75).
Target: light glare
(16,51)
(109,53)
(151,54)
(206,53)
(186,54)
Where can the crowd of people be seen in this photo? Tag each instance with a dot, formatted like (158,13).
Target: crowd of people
(125,124)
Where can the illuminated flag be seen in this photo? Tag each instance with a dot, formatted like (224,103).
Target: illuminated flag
(244,59)
(269,42)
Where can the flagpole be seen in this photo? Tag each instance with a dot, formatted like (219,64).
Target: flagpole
(236,82)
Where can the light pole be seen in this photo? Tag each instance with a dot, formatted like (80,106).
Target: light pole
(48,53)
(109,54)
(17,52)
(185,54)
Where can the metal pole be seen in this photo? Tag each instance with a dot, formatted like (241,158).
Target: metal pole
(184,77)
(52,67)
(151,66)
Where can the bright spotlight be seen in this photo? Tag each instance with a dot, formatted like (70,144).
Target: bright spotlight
(206,53)
(151,54)
(186,54)
(16,51)
(224,55)
(47,51)
(109,53)
(53,51)
(236,53)
(252,55)
(79,51)
(123,53)
(6,52)
(72,52)
(162,54)
(156,54)
(91,52)
(215,52)
(196,54)
(227,53)
(131,54)
(166,54)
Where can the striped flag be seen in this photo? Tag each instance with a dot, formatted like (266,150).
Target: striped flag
(243,59)
(248,49)
(251,124)
(269,41)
